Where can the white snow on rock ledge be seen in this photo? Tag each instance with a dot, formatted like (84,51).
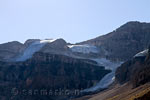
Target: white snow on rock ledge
(83,48)
(32,48)
(141,54)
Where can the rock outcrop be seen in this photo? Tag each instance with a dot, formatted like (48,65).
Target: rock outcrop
(136,71)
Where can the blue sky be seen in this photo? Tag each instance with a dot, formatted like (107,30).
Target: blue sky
(73,20)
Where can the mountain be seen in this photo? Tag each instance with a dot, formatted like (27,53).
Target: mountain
(124,42)
(111,62)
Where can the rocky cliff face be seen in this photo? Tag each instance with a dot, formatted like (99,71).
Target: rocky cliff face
(50,72)
(124,42)
(135,71)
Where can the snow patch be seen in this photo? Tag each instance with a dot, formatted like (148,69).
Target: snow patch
(141,54)
(83,48)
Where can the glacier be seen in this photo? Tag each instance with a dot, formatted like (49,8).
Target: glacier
(83,48)
(107,79)
(32,48)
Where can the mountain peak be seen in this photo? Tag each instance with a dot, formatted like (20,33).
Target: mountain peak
(134,24)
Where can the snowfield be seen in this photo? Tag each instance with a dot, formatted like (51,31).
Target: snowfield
(32,48)
(83,48)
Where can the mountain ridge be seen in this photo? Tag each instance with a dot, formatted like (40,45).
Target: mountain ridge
(131,37)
